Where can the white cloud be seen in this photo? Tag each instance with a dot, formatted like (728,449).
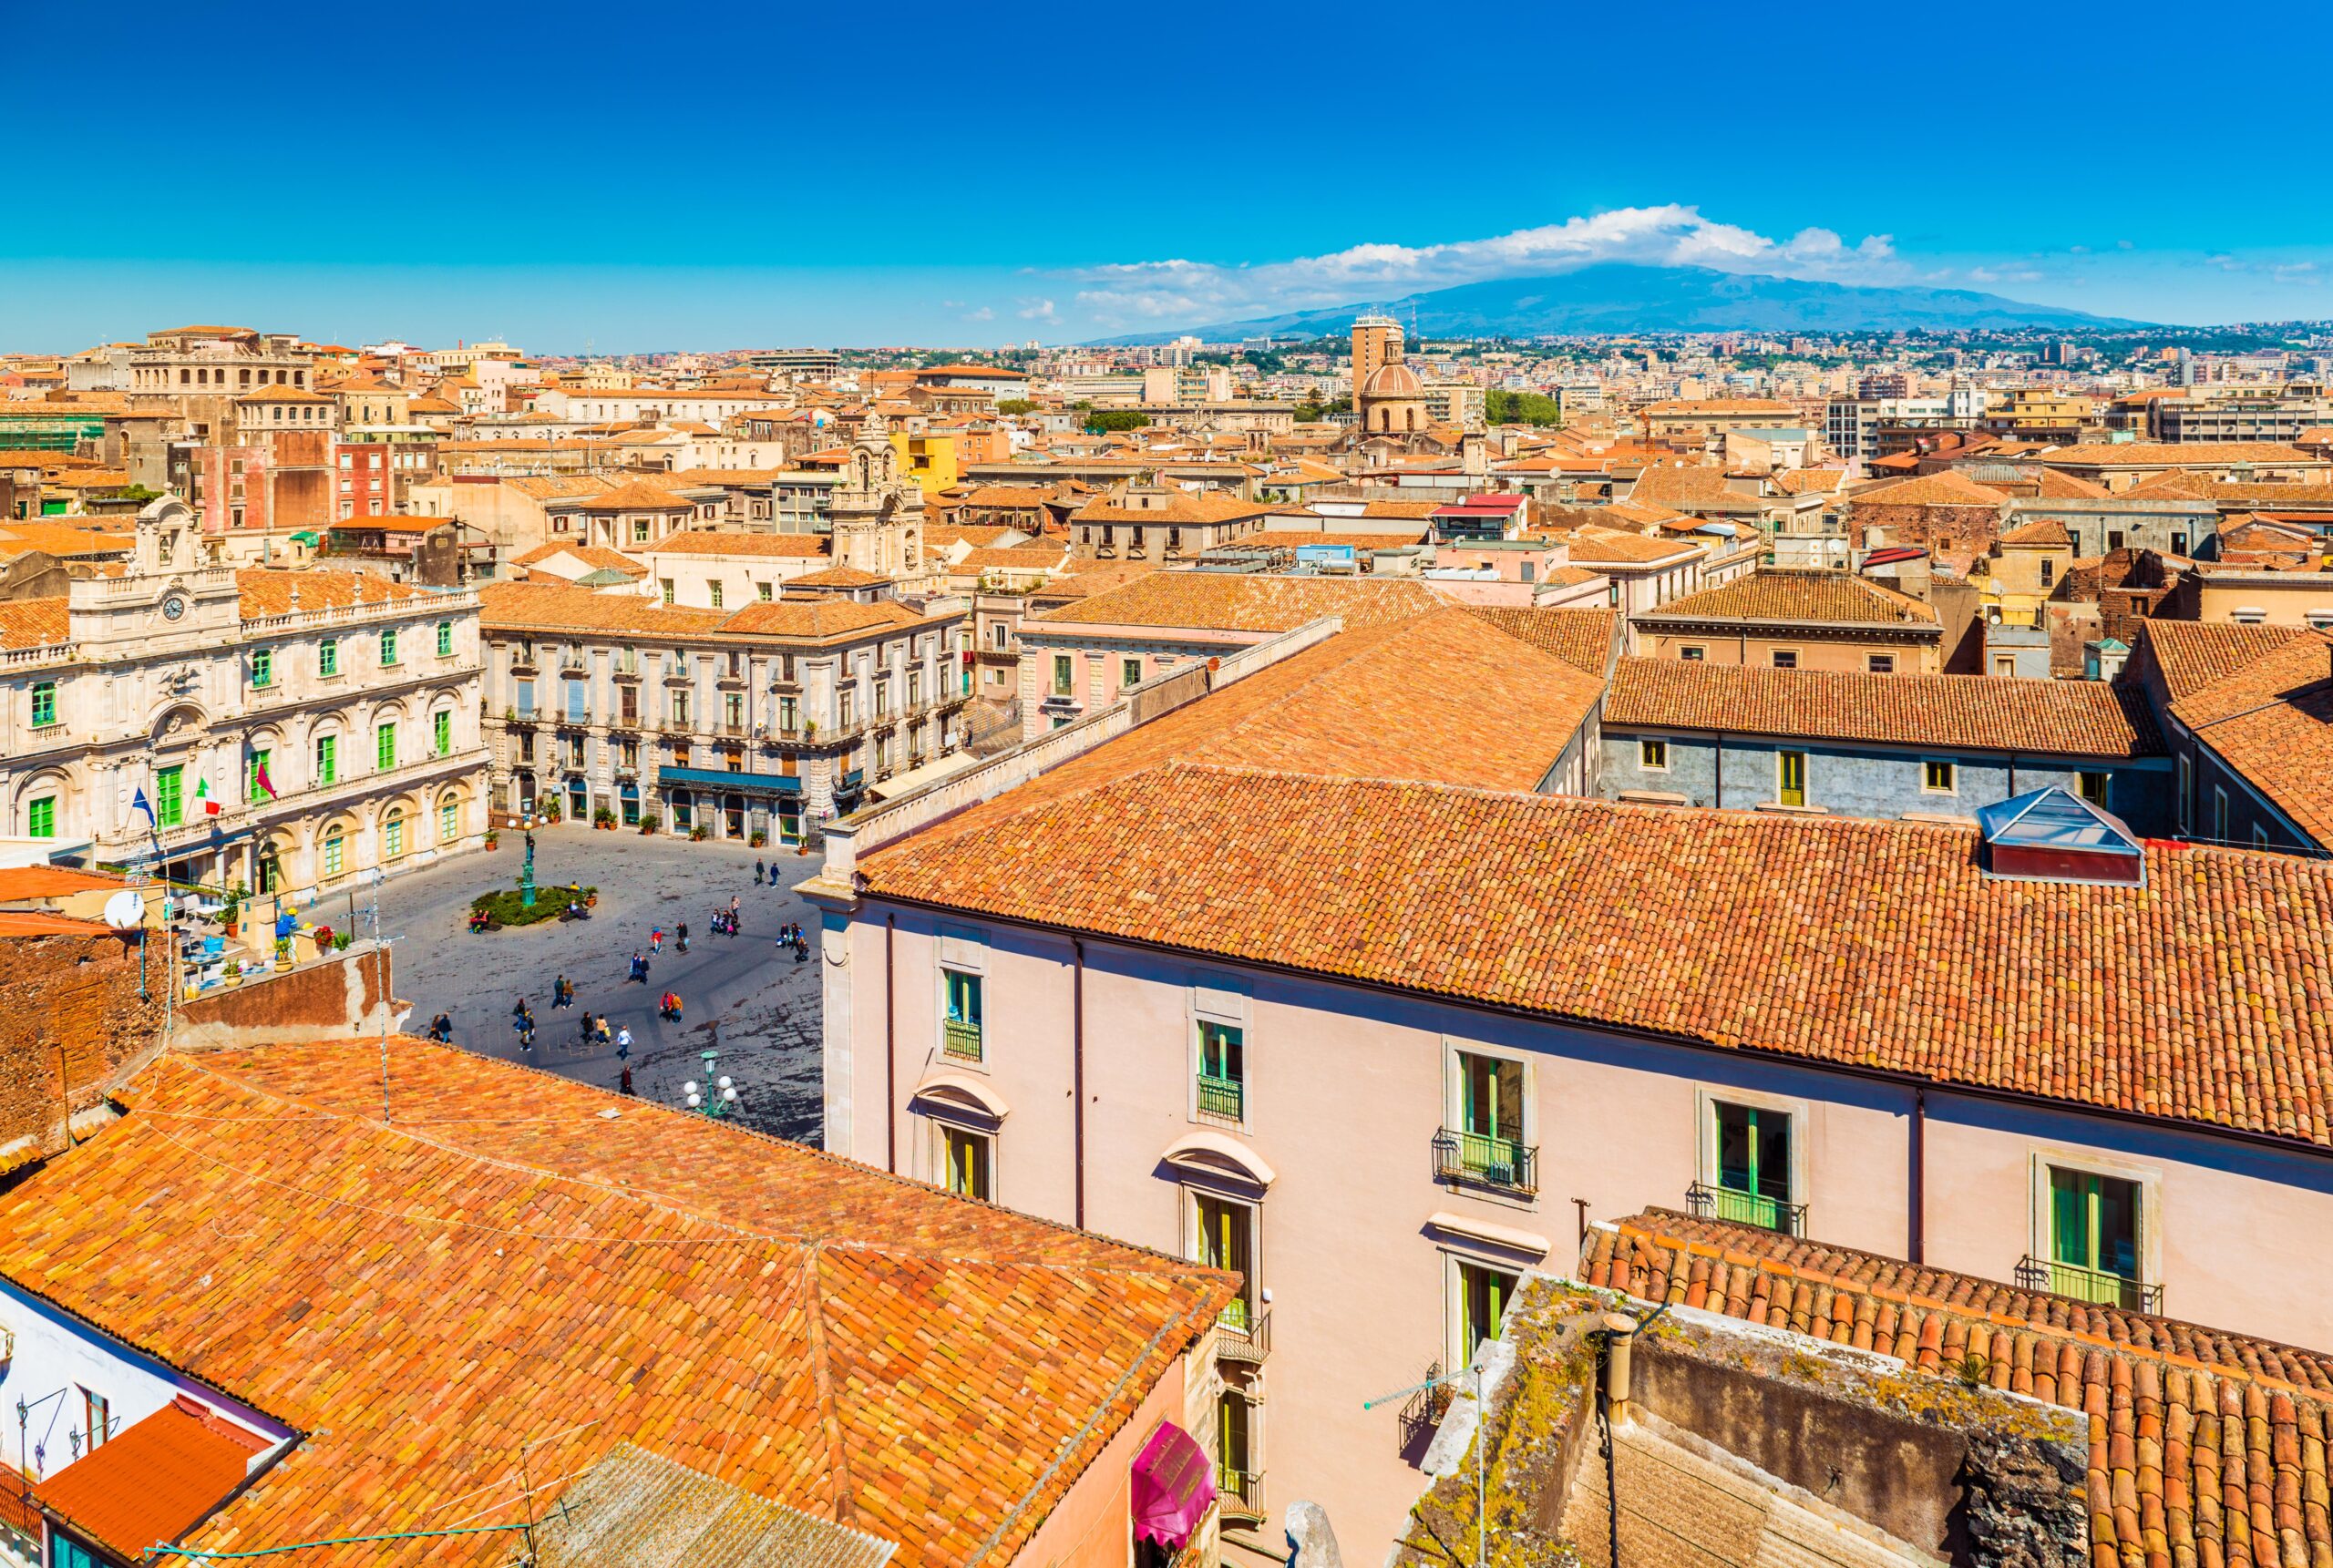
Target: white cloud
(1668,236)
(983,314)
(1035,310)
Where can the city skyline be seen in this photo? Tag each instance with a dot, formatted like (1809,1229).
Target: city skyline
(543,209)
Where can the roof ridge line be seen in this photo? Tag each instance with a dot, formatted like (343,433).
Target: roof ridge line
(814,1315)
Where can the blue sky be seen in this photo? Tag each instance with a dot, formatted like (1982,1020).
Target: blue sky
(580,174)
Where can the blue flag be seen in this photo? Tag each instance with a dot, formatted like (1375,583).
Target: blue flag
(138,803)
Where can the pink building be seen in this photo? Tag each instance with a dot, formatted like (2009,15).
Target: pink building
(1314,977)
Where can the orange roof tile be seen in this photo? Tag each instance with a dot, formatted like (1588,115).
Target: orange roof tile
(273,590)
(1581,638)
(2065,718)
(2271,719)
(1581,909)
(421,1299)
(1265,603)
(34,622)
(1784,597)
(155,1480)
(733,542)
(21,882)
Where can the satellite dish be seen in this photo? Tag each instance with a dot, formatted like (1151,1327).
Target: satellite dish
(126,910)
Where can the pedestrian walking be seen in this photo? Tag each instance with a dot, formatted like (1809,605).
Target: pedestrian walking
(656,941)
(639,969)
(757,871)
(733,905)
(560,994)
(625,1087)
(682,943)
(441,1029)
(583,1029)
(623,1047)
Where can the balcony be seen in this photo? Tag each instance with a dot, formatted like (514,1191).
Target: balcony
(1240,1493)
(1243,1335)
(2101,1288)
(960,1039)
(1745,1208)
(670,726)
(1223,1099)
(522,716)
(1481,1160)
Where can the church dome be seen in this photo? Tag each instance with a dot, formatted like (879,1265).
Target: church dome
(1392,381)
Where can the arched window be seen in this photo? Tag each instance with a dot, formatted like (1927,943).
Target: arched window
(393,836)
(450,820)
(335,853)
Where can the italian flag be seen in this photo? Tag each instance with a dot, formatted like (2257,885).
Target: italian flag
(202,797)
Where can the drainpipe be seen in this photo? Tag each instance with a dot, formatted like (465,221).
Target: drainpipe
(1619,1341)
(891,1058)
(1916,1242)
(1077,1068)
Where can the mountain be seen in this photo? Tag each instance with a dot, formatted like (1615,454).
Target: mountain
(1618,297)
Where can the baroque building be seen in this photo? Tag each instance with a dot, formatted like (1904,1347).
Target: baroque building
(284,730)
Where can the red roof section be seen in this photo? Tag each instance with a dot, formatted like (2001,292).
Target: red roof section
(154,1482)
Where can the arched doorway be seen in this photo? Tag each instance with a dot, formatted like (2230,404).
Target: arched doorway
(683,811)
(732,816)
(628,794)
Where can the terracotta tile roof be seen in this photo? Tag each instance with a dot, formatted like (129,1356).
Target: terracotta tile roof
(592,558)
(34,923)
(22,882)
(2065,718)
(34,622)
(1211,601)
(270,590)
(1180,508)
(1581,638)
(1025,558)
(2055,486)
(1783,596)
(62,540)
(637,495)
(282,394)
(1810,481)
(2271,719)
(153,1481)
(557,487)
(733,542)
(2048,531)
(1829,939)
(557,607)
(817,618)
(2171,485)
(1698,405)
(423,1298)
(838,577)
(1947,489)
(1303,538)
(2191,654)
(1603,547)
(2205,1447)
(2179,454)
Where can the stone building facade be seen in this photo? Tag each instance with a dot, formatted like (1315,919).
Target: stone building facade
(184,681)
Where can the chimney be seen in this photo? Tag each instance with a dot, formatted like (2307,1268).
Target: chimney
(1619,1341)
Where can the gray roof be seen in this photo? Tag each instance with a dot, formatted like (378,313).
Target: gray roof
(639,1509)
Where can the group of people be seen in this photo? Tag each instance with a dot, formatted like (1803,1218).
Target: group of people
(790,936)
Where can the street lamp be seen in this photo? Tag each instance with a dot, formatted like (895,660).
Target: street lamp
(718,1100)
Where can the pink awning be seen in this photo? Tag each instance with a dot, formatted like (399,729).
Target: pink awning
(1174,1486)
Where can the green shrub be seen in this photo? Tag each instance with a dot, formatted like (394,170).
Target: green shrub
(503,907)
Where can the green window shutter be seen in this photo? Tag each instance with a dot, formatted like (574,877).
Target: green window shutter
(41,819)
(445,640)
(328,759)
(262,667)
(388,647)
(443,729)
(328,656)
(385,747)
(169,806)
(43,703)
(2070,1233)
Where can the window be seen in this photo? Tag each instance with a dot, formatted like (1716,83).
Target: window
(1752,1167)
(664,585)
(262,667)
(2219,815)
(1790,777)
(2048,571)
(252,768)
(640,537)
(385,747)
(1226,1241)
(1880,663)
(441,733)
(97,1417)
(43,703)
(1238,1480)
(1490,1147)
(1652,755)
(2004,664)
(968,1163)
(388,648)
(450,821)
(959,1029)
(1939,777)
(445,640)
(335,853)
(1223,1071)
(393,837)
(1483,1295)
(762,592)
(328,656)
(2093,1237)
(40,817)
(1129,672)
(327,759)
(1063,675)
(2091,787)
(712,589)
(1785,658)
(170,808)
(2185,793)
(1693,651)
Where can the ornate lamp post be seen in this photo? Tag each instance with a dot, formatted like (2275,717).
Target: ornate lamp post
(718,1097)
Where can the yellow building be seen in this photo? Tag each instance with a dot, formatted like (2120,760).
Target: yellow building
(931,460)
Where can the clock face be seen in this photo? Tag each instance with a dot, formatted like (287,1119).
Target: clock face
(173,607)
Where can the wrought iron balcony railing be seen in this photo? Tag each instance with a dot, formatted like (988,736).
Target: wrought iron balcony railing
(1745,1208)
(2099,1287)
(1483,1159)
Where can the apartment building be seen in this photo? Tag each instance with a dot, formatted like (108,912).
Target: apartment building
(1348,1010)
(723,568)
(1851,425)
(1787,618)
(766,718)
(2281,418)
(285,729)
(2246,709)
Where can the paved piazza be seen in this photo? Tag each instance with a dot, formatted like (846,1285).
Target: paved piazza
(755,1004)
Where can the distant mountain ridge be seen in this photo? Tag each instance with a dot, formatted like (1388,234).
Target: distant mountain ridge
(1621,297)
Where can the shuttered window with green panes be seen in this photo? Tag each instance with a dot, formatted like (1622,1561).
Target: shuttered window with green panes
(1223,1071)
(1226,1243)
(2093,1237)
(1483,1295)
(1753,1166)
(1490,1131)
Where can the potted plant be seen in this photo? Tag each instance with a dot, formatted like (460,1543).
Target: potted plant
(649,822)
(603,817)
(551,812)
(758,839)
(699,834)
(493,839)
(231,913)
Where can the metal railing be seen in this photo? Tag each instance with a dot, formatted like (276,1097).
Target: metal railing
(2099,1287)
(1484,1160)
(1224,1098)
(1240,1491)
(1243,1334)
(960,1039)
(1745,1208)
